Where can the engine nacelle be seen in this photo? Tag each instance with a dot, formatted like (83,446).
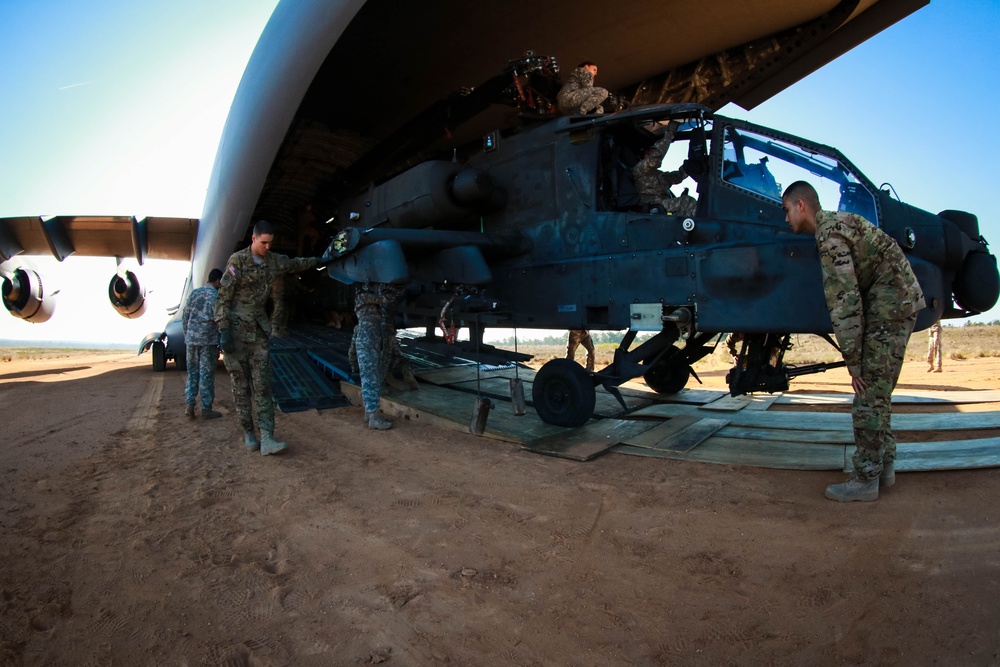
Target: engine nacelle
(25,297)
(127,295)
(434,193)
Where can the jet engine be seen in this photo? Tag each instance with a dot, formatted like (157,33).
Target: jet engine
(127,295)
(25,297)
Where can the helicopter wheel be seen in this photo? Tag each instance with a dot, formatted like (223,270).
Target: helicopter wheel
(669,374)
(563,393)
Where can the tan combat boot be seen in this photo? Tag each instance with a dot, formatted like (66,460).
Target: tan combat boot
(854,489)
(268,445)
(377,422)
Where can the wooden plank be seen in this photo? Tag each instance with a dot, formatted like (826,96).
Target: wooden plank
(914,396)
(845,437)
(746,401)
(680,435)
(960,454)
(590,440)
(952,455)
(762,401)
(761,454)
(691,396)
(826,421)
(728,403)
(450,375)
(660,430)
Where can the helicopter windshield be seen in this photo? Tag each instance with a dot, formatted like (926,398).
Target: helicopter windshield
(766,166)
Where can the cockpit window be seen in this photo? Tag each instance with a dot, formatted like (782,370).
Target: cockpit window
(766,166)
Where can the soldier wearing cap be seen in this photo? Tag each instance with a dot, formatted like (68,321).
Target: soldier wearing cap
(201,340)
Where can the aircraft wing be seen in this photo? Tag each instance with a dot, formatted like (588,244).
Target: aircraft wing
(98,236)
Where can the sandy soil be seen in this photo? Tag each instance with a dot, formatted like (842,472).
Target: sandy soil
(134,536)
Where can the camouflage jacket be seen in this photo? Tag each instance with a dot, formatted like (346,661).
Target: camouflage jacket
(246,286)
(866,277)
(652,183)
(578,79)
(199,317)
(376,294)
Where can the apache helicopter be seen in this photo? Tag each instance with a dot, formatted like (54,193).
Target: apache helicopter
(542,227)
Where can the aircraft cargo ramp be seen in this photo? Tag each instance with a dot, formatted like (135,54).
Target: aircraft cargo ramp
(310,370)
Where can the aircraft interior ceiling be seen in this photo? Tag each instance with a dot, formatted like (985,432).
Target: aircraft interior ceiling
(396,58)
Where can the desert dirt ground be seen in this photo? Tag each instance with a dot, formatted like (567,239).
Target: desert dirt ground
(135,536)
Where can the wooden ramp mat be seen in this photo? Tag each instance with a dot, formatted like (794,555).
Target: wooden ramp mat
(957,454)
(605,404)
(915,396)
(759,453)
(444,376)
(681,434)
(467,373)
(590,440)
(805,455)
(729,403)
(826,421)
(447,408)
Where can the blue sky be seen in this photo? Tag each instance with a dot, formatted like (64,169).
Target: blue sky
(116,107)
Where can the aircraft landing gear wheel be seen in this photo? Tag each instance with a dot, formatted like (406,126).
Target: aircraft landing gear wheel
(668,375)
(563,393)
(159,352)
(181,360)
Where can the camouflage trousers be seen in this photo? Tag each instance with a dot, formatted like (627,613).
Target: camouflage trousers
(396,360)
(881,361)
(250,370)
(583,101)
(202,361)
(578,337)
(372,349)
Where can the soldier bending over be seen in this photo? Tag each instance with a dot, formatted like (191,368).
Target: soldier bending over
(874,299)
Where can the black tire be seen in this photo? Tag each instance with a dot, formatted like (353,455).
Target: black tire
(159,353)
(669,374)
(563,393)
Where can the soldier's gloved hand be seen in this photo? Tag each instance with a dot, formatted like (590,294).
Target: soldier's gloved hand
(226,343)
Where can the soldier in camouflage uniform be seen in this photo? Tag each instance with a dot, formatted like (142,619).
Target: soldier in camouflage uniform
(399,373)
(373,304)
(201,338)
(654,185)
(579,95)
(245,330)
(874,299)
(578,337)
(934,348)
